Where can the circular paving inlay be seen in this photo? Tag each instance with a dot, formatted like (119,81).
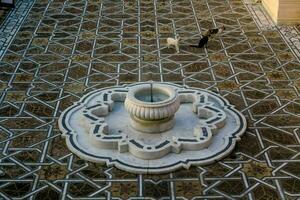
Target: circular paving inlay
(160,128)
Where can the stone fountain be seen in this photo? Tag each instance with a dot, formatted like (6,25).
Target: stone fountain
(151,127)
(151,108)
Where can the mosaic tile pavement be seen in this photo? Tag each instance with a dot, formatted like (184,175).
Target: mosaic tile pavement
(65,49)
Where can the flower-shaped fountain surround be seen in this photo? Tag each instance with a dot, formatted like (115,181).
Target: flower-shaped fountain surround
(136,127)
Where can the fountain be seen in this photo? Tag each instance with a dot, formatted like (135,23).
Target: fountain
(152,108)
(151,127)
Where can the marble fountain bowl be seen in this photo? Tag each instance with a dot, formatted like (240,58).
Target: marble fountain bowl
(152,108)
(152,127)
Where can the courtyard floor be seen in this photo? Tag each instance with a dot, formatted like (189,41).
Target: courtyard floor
(52,52)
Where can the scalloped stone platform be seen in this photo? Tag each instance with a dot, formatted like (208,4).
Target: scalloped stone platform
(97,128)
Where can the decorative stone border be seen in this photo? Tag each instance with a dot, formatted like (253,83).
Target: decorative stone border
(96,128)
(12,23)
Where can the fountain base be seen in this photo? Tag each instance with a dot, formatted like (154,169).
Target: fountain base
(154,126)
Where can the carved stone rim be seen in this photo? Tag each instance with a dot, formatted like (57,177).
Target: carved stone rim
(150,111)
(172,95)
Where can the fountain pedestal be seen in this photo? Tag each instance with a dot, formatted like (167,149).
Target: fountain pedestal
(152,108)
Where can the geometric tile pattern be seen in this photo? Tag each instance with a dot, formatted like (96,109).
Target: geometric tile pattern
(65,49)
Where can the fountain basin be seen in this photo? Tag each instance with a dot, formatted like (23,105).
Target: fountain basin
(152,109)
